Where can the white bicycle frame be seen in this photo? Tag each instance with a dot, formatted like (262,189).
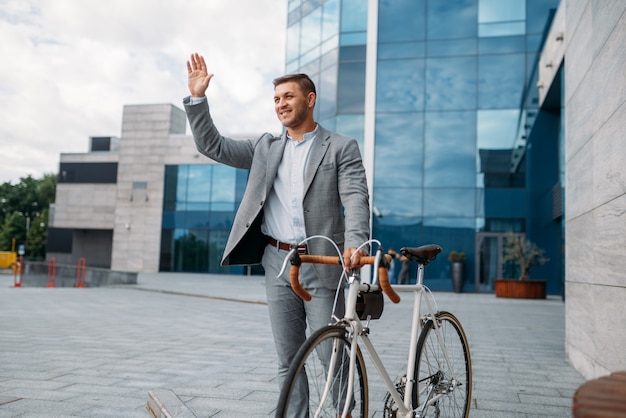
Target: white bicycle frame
(355,286)
(351,317)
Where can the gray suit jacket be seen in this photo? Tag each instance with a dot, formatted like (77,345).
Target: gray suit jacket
(335,184)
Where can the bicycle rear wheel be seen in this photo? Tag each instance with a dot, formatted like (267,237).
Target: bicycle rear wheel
(433,375)
(320,372)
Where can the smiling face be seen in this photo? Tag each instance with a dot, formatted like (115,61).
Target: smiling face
(293,107)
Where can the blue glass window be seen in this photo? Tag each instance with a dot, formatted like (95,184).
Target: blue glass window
(353,16)
(399,150)
(501,80)
(501,17)
(352,126)
(451,83)
(400,85)
(401,20)
(397,205)
(351,94)
(539,14)
(330,19)
(311,31)
(451,19)
(206,197)
(497,131)
(401,50)
(449,149)
(451,48)
(501,45)
(442,203)
(326,105)
(293,42)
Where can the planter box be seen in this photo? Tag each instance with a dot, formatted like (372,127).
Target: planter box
(522,289)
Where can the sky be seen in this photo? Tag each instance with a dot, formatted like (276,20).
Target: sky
(68,67)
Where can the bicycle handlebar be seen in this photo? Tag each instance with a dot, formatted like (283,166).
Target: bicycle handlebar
(298,259)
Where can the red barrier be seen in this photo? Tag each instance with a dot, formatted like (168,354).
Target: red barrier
(80,272)
(52,272)
(17,272)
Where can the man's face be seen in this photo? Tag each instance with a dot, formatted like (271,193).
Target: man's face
(291,104)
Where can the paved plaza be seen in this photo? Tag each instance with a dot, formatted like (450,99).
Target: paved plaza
(201,346)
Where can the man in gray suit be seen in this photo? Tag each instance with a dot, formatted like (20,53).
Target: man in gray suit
(308,181)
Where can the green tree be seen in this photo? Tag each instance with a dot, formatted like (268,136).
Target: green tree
(25,207)
(13,228)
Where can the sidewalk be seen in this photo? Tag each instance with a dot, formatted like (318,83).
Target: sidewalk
(200,346)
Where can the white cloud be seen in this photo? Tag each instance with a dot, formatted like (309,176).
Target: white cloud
(69,66)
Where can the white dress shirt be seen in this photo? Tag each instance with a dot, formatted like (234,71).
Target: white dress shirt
(283,217)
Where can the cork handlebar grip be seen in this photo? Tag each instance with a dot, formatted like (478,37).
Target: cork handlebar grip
(326,259)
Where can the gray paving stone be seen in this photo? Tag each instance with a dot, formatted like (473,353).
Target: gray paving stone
(205,339)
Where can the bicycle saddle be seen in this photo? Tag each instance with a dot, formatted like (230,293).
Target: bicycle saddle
(423,254)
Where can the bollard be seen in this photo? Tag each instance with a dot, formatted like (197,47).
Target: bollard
(80,272)
(52,271)
(17,272)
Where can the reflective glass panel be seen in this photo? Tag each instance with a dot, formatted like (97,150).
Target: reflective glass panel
(501,29)
(224,181)
(395,205)
(401,50)
(351,94)
(311,30)
(449,150)
(400,85)
(401,20)
(451,19)
(490,11)
(501,45)
(327,93)
(500,80)
(181,187)
(451,48)
(352,53)
(352,126)
(330,19)
(330,44)
(293,42)
(399,150)
(539,14)
(501,17)
(451,83)
(353,38)
(496,129)
(353,15)
(199,183)
(441,203)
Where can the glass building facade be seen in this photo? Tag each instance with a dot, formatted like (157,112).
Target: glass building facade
(442,97)
(199,207)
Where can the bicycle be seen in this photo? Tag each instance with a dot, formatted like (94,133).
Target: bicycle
(438,379)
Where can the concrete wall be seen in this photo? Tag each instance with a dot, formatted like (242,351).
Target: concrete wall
(145,144)
(595,189)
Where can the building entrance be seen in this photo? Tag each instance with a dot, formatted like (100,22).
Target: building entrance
(489,265)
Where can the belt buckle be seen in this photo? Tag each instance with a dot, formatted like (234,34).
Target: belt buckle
(301,249)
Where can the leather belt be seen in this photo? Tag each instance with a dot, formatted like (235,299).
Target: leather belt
(302,249)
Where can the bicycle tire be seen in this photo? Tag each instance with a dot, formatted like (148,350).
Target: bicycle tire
(308,364)
(432,372)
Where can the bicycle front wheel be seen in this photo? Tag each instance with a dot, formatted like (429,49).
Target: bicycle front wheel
(318,383)
(444,384)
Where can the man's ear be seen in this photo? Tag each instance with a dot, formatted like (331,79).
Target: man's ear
(312,98)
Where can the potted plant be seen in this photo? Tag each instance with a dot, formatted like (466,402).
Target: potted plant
(456,259)
(524,254)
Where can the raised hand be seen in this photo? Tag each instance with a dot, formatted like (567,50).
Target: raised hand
(198,77)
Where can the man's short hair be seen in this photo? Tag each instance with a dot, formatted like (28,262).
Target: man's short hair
(304,82)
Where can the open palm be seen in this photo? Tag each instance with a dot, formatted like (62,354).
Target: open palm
(198,77)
